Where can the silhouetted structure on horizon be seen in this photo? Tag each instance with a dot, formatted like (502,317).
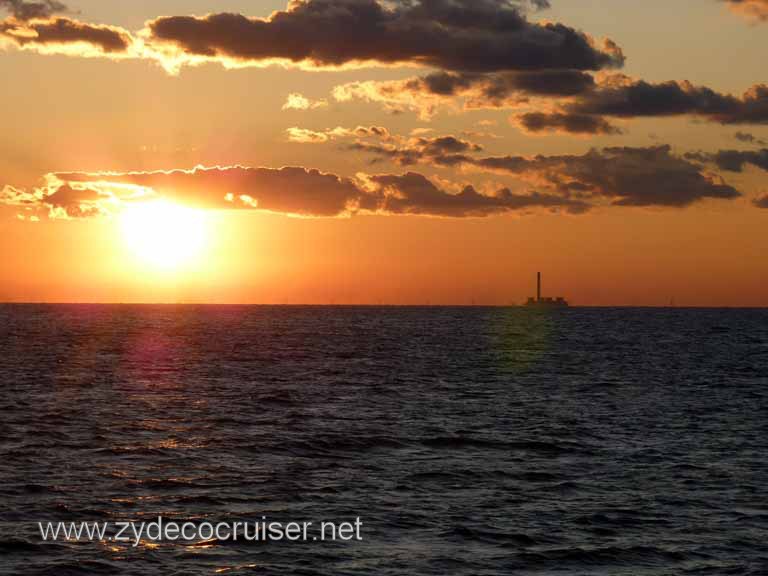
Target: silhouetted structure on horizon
(538,301)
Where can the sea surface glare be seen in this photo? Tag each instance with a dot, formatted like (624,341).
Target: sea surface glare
(469,441)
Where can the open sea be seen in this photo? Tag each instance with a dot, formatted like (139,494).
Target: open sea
(468,441)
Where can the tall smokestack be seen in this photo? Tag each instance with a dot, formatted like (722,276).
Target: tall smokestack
(538,286)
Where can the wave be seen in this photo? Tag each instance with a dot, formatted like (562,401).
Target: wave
(634,556)
(15,545)
(463,442)
(75,568)
(488,536)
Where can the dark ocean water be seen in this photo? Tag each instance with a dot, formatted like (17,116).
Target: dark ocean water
(470,441)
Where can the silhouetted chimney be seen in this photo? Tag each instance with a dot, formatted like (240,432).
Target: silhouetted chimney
(538,286)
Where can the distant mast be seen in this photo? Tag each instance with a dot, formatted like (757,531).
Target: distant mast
(545,302)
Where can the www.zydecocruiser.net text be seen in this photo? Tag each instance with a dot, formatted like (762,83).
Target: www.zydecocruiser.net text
(162,530)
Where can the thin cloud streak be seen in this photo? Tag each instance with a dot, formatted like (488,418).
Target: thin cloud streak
(297,101)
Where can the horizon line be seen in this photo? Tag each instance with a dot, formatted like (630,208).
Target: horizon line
(372,305)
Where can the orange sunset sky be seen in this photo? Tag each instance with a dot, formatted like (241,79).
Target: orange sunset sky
(400,151)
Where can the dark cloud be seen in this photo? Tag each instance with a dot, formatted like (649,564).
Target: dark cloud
(625,98)
(412,193)
(541,83)
(457,35)
(67,33)
(446,145)
(535,122)
(23,10)
(498,88)
(61,200)
(651,176)
(75,202)
(761,202)
(734,160)
(441,150)
(621,97)
(748,138)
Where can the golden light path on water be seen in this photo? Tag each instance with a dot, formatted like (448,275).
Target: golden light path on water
(523,336)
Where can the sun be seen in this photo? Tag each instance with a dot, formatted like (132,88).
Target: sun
(163,235)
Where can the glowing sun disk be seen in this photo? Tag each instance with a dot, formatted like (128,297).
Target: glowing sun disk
(164,235)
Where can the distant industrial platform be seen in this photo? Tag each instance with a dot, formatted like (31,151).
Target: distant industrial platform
(545,302)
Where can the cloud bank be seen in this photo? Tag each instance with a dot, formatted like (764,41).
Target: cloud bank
(292,191)
(618,176)
(623,176)
(485,54)
(581,104)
